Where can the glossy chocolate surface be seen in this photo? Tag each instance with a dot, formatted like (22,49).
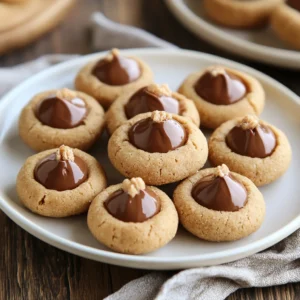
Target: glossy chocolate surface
(144,101)
(160,137)
(60,113)
(60,175)
(118,71)
(259,142)
(220,193)
(133,209)
(221,89)
(294,4)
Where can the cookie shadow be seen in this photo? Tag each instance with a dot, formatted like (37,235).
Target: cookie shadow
(16,147)
(11,194)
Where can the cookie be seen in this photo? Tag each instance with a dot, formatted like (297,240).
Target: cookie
(218,205)
(285,22)
(14,1)
(17,14)
(159,147)
(150,98)
(25,21)
(251,147)
(59,117)
(112,76)
(240,14)
(133,218)
(60,182)
(221,94)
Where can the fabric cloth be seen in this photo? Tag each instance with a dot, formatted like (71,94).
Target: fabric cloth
(277,265)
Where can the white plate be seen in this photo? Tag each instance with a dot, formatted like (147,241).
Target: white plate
(72,235)
(259,45)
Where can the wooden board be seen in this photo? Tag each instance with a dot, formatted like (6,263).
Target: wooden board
(24,22)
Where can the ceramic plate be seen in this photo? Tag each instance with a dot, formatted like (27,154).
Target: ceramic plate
(260,45)
(185,251)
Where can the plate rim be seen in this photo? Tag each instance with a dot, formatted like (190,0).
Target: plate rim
(244,48)
(150,262)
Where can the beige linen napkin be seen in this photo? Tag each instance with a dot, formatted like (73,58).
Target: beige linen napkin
(277,265)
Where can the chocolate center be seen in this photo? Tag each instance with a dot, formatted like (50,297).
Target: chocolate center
(60,175)
(133,209)
(294,4)
(60,113)
(221,88)
(159,137)
(117,71)
(220,193)
(258,142)
(144,101)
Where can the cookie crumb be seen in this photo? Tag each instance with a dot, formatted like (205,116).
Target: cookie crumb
(222,170)
(217,70)
(159,90)
(133,186)
(114,52)
(249,122)
(65,153)
(66,94)
(160,116)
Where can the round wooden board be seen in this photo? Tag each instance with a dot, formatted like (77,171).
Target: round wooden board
(24,22)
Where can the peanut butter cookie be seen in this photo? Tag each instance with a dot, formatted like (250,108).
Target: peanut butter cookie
(251,147)
(222,93)
(60,182)
(159,147)
(285,22)
(240,13)
(218,205)
(150,98)
(59,117)
(113,76)
(133,218)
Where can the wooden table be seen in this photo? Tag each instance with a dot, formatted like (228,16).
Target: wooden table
(31,269)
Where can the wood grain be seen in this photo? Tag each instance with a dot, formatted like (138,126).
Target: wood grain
(31,269)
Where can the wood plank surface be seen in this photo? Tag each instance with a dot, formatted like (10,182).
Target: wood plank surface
(31,269)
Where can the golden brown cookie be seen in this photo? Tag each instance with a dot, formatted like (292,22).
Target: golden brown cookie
(133,218)
(60,182)
(59,117)
(150,98)
(25,21)
(159,147)
(251,147)
(15,1)
(112,76)
(240,13)
(218,205)
(221,93)
(285,22)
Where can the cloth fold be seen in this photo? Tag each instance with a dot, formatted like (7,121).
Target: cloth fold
(277,265)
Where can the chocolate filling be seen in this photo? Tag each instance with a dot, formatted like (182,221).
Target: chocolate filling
(159,137)
(60,113)
(222,88)
(220,193)
(144,101)
(117,71)
(258,142)
(294,4)
(140,208)
(60,175)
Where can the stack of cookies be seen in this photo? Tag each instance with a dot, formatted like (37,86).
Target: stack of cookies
(154,140)
(283,16)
